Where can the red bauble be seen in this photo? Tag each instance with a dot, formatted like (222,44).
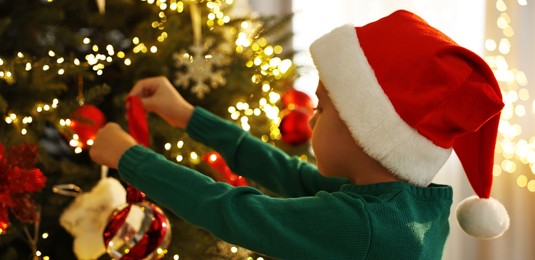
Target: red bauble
(297,99)
(137,230)
(216,162)
(294,127)
(85,122)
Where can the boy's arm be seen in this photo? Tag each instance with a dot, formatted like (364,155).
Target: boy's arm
(249,157)
(284,228)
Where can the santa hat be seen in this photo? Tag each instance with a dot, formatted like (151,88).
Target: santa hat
(409,96)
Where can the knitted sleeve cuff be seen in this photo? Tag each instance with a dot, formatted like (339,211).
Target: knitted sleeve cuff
(129,161)
(215,132)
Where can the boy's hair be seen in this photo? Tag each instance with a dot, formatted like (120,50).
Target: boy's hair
(409,96)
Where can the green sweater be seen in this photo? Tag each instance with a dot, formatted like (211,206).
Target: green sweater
(319,218)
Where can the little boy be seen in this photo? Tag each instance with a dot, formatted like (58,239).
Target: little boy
(396,96)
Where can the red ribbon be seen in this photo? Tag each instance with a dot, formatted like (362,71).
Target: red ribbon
(137,120)
(139,130)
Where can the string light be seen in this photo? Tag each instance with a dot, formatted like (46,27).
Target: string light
(263,59)
(216,15)
(22,122)
(515,153)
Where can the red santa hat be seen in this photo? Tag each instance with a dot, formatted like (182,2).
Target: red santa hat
(409,96)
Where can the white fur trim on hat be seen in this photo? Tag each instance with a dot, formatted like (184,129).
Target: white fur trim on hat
(367,111)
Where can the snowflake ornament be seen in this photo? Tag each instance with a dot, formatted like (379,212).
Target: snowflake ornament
(202,68)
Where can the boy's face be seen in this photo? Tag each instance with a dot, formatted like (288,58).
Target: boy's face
(335,149)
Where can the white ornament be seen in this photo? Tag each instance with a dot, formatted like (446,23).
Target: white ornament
(87,216)
(203,68)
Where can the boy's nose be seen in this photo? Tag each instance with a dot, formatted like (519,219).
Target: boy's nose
(312,120)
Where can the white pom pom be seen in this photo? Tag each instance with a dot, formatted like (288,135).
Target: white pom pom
(482,218)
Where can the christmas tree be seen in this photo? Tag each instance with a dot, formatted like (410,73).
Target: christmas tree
(66,68)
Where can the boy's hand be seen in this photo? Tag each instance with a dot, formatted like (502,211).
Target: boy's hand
(160,96)
(110,144)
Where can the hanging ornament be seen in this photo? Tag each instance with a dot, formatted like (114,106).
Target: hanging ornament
(297,99)
(298,109)
(294,126)
(202,69)
(86,217)
(216,162)
(85,122)
(139,229)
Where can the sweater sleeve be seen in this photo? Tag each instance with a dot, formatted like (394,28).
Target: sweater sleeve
(249,157)
(281,228)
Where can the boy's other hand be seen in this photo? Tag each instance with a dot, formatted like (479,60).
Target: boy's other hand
(110,144)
